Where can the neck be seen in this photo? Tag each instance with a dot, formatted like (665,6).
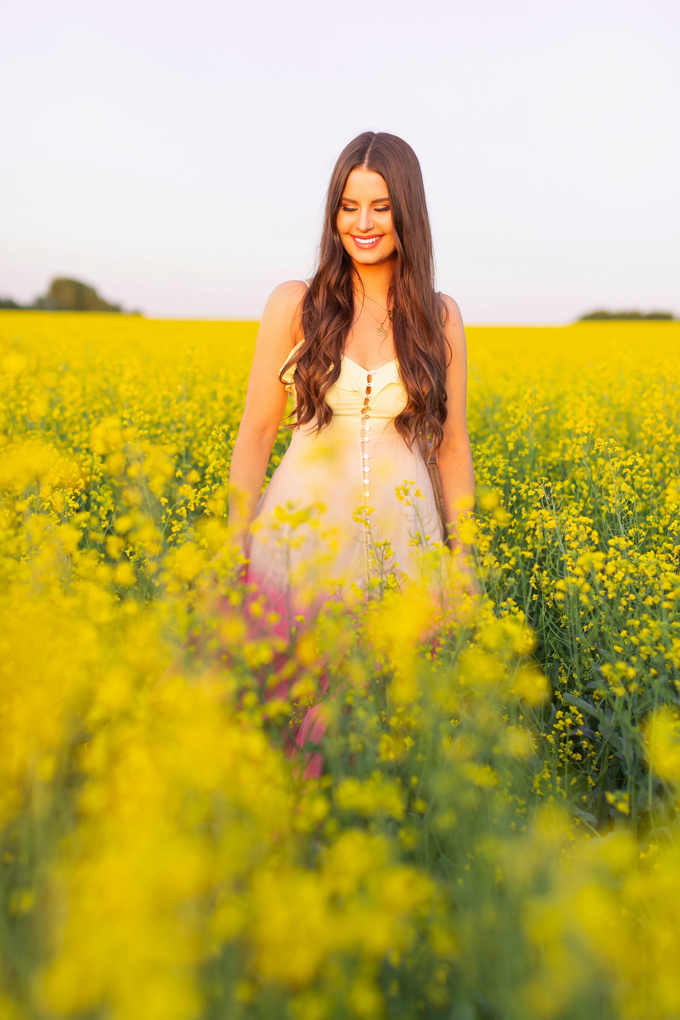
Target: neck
(374,280)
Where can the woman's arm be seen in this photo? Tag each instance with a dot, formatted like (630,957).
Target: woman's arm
(265,404)
(455,458)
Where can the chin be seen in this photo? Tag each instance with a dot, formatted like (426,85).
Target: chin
(370,258)
(374,259)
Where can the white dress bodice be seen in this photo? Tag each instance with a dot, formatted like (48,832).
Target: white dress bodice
(346,395)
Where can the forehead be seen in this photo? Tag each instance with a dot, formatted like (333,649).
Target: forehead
(365,185)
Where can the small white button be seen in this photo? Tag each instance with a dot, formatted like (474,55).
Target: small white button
(366,456)
(367,494)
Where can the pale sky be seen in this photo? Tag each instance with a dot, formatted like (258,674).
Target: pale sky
(176,156)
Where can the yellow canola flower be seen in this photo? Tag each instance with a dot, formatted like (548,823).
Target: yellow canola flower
(32,463)
(519,742)
(662,736)
(156,780)
(192,840)
(374,796)
(531,684)
(610,917)
(13,363)
(355,901)
(672,493)
(396,625)
(43,685)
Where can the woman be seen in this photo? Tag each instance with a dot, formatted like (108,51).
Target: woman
(375,360)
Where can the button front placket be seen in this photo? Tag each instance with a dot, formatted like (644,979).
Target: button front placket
(365,429)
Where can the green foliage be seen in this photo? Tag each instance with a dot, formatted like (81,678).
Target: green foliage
(65,295)
(632,316)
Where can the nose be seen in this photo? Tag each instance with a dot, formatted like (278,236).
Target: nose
(365,220)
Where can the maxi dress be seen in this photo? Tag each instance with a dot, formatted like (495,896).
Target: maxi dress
(331,518)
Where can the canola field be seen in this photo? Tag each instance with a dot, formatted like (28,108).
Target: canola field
(495,833)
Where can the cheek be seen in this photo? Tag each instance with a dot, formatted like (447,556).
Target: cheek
(344,226)
(343,232)
(387,227)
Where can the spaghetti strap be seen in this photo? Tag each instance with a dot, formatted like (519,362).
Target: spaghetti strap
(307,283)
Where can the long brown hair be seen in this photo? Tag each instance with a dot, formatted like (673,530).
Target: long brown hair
(420,344)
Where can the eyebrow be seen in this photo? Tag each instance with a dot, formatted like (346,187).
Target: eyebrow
(376,201)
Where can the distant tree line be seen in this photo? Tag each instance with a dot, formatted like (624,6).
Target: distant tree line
(66,295)
(603,316)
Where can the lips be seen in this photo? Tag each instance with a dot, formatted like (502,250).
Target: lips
(367,242)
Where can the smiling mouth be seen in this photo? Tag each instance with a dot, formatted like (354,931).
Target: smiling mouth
(367,242)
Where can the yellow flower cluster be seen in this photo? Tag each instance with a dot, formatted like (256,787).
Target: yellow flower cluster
(494,832)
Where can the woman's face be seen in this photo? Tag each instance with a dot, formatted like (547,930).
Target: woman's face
(365,219)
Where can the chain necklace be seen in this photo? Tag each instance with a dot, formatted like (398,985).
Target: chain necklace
(375,302)
(381,324)
(381,331)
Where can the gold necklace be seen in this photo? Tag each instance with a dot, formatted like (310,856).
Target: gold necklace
(375,302)
(381,325)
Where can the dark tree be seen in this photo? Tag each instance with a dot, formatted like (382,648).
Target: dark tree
(67,295)
(604,316)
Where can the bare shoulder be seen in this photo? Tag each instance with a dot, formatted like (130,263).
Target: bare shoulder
(451,306)
(286,297)
(291,290)
(281,313)
(453,327)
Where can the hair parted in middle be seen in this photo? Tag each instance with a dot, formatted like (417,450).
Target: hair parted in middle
(420,344)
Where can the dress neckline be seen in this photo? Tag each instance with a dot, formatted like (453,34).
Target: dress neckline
(368,371)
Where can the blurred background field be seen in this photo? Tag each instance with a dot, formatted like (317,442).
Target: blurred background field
(495,832)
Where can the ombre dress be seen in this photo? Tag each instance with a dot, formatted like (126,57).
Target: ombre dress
(335,513)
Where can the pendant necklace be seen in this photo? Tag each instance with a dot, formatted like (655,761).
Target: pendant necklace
(381,331)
